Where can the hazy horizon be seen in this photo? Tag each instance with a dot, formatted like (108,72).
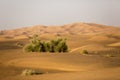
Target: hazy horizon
(21,13)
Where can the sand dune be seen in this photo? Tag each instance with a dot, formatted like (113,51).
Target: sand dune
(103,65)
(102,38)
(106,74)
(60,62)
(75,28)
(66,66)
(92,48)
(89,75)
(117,44)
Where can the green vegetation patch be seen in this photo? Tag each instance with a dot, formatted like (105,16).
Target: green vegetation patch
(28,72)
(37,45)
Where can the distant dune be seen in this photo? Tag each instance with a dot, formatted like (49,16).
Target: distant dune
(72,29)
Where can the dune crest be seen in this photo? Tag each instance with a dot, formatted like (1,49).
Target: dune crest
(75,28)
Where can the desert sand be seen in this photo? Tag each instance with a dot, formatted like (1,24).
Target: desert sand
(101,63)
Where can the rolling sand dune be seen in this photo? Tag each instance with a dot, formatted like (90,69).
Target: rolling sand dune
(61,66)
(20,37)
(94,75)
(2,38)
(102,38)
(76,28)
(5,38)
(92,48)
(117,44)
(101,63)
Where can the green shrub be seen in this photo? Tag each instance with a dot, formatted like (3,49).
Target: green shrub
(29,48)
(109,55)
(36,45)
(84,52)
(28,72)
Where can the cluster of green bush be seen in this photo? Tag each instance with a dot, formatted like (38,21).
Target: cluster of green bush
(30,72)
(36,45)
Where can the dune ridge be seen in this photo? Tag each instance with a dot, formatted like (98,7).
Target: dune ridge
(75,28)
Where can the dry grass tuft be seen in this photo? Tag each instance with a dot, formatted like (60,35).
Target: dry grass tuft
(28,72)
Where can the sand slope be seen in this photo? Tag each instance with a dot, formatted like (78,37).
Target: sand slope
(64,66)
